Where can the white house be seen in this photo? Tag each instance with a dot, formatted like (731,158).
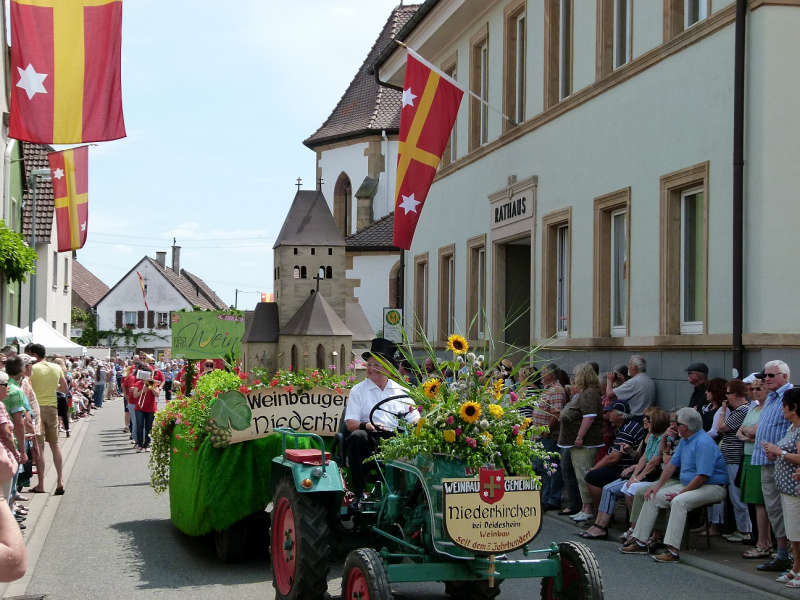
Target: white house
(167,289)
(600,217)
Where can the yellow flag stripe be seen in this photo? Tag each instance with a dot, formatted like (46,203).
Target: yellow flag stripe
(79,199)
(69,174)
(408,149)
(69,52)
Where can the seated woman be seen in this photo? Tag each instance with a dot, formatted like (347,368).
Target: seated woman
(641,474)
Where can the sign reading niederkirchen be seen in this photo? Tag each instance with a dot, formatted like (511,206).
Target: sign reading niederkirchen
(492,513)
(318,410)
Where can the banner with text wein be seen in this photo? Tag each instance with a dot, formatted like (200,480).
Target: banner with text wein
(206,334)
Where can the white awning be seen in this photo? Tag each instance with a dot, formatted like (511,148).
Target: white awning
(54,342)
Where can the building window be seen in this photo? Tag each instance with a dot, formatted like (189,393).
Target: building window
(129,318)
(694,11)
(328,272)
(64,330)
(343,204)
(611,271)
(476,288)
(162,320)
(296,272)
(303,272)
(55,270)
(622,32)
(447,288)
(330,251)
(449,155)
(313,251)
(295,250)
(514,88)
(53,324)
(692,261)
(556,272)
(684,251)
(558,51)
(420,295)
(66,274)
(479,84)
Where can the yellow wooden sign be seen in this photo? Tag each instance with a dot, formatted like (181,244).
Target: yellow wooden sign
(318,410)
(492,513)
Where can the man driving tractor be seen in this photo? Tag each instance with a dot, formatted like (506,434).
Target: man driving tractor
(363,436)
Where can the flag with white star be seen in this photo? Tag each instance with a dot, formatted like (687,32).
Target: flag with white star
(69,171)
(65,71)
(429,107)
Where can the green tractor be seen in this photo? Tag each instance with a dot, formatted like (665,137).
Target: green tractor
(409,530)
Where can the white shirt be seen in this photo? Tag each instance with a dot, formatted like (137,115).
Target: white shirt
(367,394)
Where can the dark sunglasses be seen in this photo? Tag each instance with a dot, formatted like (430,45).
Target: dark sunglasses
(209,365)
(3,385)
(771,375)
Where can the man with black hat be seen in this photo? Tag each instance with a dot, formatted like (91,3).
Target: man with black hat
(363,437)
(697,374)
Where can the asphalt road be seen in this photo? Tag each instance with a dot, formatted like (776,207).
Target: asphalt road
(112,538)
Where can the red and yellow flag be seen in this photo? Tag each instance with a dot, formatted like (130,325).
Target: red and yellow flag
(65,71)
(144,290)
(69,171)
(430,105)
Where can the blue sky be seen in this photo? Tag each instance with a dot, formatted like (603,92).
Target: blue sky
(217,100)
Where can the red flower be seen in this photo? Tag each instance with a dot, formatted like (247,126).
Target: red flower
(289,389)
(274,382)
(257,382)
(177,436)
(174,450)
(244,389)
(242,375)
(216,393)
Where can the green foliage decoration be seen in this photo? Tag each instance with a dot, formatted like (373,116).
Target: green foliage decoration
(17,259)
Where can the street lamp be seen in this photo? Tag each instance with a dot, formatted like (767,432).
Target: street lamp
(33,179)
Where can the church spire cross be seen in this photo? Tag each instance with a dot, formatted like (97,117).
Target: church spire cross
(299,183)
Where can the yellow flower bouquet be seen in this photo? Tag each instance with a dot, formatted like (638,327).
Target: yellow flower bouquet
(468,414)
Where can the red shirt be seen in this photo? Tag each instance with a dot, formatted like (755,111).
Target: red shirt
(147,401)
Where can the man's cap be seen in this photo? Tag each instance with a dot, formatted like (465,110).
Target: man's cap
(751,378)
(382,347)
(761,375)
(620,406)
(26,359)
(698,367)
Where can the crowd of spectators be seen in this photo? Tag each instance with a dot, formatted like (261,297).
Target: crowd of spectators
(733,452)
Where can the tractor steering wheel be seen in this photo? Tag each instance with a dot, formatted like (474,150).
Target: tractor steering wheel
(379,406)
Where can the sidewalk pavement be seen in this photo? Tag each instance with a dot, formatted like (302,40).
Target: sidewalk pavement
(42,507)
(723,559)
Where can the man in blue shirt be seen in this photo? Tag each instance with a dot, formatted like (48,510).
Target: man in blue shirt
(772,426)
(703,478)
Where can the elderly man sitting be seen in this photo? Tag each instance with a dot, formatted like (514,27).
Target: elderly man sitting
(703,478)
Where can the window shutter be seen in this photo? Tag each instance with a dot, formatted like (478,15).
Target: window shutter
(151,319)
(119,319)
(140,319)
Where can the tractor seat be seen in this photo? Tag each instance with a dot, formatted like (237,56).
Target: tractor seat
(306,456)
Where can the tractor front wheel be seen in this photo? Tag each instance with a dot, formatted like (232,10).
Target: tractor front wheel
(300,544)
(365,577)
(580,575)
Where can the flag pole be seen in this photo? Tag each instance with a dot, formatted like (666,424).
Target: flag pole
(468,91)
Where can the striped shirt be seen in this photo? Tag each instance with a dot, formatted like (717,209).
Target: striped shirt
(627,441)
(732,448)
(552,400)
(771,426)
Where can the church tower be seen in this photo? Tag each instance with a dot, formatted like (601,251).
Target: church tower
(309,254)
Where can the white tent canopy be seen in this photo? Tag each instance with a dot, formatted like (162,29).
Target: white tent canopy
(54,342)
(17,335)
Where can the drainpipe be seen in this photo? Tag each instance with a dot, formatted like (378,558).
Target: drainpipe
(738,187)
(386,170)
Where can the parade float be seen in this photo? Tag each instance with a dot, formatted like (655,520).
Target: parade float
(452,495)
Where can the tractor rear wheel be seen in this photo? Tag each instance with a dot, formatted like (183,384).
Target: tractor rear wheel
(300,544)
(580,575)
(365,577)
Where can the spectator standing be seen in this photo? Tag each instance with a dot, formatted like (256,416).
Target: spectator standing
(702,481)
(100,375)
(46,378)
(6,432)
(786,454)
(750,480)
(13,555)
(639,391)
(581,434)
(735,410)
(772,427)
(546,413)
(15,405)
(697,374)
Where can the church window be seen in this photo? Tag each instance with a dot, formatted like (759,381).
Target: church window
(303,272)
(295,250)
(296,272)
(330,251)
(328,272)
(313,251)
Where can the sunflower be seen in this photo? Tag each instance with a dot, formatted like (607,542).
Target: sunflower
(431,387)
(470,412)
(457,344)
(419,426)
(526,422)
(520,440)
(496,410)
(449,436)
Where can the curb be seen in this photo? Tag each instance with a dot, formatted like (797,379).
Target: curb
(750,580)
(44,507)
